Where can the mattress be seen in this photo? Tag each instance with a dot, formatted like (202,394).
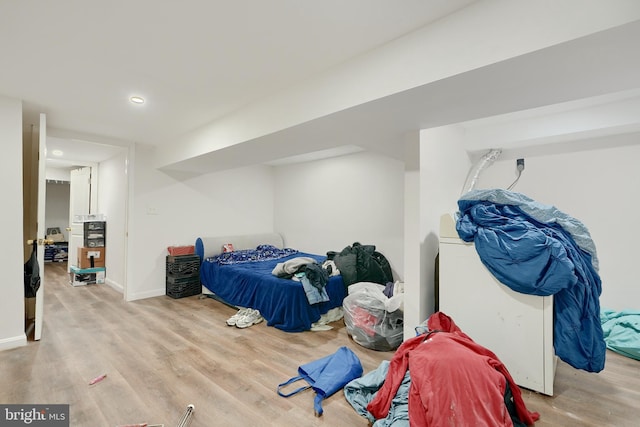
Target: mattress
(282,302)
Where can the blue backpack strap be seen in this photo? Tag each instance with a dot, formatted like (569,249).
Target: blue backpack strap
(291,381)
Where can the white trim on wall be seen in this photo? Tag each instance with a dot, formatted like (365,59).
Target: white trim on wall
(12,342)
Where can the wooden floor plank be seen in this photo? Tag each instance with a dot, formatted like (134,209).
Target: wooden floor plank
(161,354)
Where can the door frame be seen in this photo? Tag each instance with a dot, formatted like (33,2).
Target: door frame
(41,227)
(128,223)
(130,149)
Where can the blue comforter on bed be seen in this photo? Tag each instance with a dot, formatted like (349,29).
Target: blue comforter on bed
(282,302)
(536,249)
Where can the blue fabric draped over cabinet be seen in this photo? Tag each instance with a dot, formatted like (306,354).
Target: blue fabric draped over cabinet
(537,249)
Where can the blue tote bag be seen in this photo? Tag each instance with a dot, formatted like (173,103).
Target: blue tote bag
(326,376)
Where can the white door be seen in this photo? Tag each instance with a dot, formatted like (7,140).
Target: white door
(42,197)
(79,205)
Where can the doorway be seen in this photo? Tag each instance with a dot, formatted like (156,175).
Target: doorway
(107,195)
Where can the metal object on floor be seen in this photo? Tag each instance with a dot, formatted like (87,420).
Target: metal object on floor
(186,417)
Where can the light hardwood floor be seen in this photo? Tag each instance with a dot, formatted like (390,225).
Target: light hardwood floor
(161,354)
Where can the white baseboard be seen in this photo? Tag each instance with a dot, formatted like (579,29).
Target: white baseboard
(115,285)
(147,294)
(13,342)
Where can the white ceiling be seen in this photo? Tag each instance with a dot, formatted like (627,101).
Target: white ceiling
(577,90)
(193,61)
(77,153)
(196,61)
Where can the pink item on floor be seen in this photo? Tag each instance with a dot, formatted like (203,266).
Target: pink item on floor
(97,379)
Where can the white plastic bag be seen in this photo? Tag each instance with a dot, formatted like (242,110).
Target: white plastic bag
(372,319)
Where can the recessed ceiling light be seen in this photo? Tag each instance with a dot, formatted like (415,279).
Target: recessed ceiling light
(137,99)
(57,153)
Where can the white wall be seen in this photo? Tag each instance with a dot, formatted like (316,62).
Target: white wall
(11,253)
(58,174)
(175,210)
(112,202)
(443,169)
(326,205)
(415,304)
(599,188)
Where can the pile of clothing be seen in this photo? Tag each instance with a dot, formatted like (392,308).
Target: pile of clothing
(438,378)
(310,273)
(362,263)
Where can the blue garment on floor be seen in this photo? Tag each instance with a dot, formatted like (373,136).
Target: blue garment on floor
(361,391)
(526,247)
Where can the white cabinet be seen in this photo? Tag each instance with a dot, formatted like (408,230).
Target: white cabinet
(517,327)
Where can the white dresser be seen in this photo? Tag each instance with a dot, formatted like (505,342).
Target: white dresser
(517,327)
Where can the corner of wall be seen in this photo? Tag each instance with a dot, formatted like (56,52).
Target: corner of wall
(429,192)
(117,286)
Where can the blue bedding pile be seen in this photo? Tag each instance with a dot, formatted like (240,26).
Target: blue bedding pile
(260,253)
(622,331)
(536,249)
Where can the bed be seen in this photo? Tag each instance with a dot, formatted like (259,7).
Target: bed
(282,302)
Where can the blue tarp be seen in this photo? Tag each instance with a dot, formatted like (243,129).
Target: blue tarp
(536,249)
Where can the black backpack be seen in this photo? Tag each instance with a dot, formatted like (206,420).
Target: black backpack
(32,273)
(385,267)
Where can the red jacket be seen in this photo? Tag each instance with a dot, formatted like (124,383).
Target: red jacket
(454,381)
